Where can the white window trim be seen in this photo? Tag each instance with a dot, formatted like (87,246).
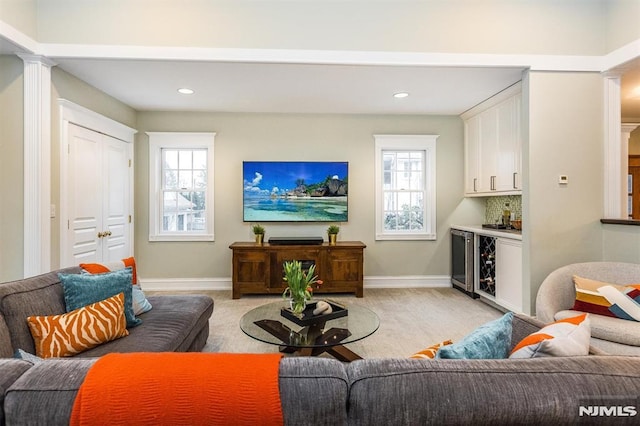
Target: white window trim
(157,141)
(425,143)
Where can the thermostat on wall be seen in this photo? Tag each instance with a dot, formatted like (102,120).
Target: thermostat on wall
(563,179)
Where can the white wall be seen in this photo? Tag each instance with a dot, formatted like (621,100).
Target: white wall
(303,137)
(20,14)
(565,136)
(11,170)
(622,22)
(573,27)
(621,243)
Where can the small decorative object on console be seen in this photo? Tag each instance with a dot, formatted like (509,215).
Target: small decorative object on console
(332,232)
(258,231)
(299,284)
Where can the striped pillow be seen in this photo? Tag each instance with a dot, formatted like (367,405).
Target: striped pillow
(76,331)
(566,337)
(612,300)
(430,352)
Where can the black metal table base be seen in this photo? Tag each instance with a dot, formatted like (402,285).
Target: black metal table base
(311,340)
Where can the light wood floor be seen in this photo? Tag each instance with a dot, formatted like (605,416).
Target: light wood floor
(410,320)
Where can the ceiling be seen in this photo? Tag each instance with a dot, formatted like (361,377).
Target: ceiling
(292,88)
(151,85)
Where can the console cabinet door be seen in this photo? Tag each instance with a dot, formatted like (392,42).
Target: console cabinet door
(307,257)
(343,270)
(250,272)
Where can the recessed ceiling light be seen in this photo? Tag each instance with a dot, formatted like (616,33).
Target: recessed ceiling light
(185,91)
(400,95)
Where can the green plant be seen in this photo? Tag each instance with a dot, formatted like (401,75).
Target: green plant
(333,229)
(299,284)
(258,229)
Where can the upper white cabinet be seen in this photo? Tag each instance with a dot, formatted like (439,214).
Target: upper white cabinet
(493,145)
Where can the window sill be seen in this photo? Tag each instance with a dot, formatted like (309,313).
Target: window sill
(405,237)
(632,222)
(199,237)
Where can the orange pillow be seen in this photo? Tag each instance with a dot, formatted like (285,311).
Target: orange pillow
(79,330)
(430,352)
(101,268)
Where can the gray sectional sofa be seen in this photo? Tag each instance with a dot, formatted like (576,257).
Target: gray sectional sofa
(388,391)
(177,323)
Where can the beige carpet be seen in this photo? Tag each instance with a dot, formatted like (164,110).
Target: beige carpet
(410,320)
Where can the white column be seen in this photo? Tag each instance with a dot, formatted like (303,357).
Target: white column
(613,172)
(37,164)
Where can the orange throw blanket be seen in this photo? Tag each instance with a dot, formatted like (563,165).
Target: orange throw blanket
(180,389)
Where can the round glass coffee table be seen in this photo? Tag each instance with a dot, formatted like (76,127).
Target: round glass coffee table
(311,336)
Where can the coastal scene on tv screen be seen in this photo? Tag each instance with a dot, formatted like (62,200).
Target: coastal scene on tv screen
(295,191)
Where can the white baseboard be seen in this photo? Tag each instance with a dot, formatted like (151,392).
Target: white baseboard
(204,284)
(185,284)
(408,281)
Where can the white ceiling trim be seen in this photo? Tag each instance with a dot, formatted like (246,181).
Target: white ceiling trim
(24,43)
(324,57)
(619,57)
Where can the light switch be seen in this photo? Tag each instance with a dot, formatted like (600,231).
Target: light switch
(563,179)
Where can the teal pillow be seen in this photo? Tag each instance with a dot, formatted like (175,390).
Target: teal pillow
(26,356)
(489,341)
(140,302)
(81,290)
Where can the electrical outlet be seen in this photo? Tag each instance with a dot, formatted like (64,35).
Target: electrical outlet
(563,179)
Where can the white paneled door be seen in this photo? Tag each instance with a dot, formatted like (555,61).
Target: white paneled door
(98,197)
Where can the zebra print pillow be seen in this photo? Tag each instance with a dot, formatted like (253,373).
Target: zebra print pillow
(79,330)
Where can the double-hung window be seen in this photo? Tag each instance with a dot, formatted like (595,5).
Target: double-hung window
(405,187)
(181,186)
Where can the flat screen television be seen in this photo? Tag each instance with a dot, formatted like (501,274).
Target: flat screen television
(295,191)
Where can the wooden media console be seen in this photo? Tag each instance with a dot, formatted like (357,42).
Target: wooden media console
(257,268)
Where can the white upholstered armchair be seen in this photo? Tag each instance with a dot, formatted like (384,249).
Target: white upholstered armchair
(557,294)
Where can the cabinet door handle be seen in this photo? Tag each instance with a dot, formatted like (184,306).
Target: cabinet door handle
(493,183)
(475,180)
(514,180)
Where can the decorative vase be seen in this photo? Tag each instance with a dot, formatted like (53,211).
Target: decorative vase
(332,239)
(297,305)
(259,238)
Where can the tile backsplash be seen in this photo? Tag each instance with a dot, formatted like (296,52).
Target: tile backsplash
(495,206)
